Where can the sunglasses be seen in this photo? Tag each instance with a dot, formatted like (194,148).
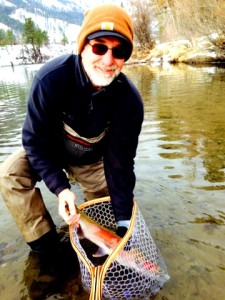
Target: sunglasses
(120,52)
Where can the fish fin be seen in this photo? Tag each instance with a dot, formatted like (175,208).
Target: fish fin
(100,252)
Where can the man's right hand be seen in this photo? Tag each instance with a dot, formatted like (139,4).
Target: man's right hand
(67,208)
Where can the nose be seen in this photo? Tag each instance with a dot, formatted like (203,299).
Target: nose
(108,58)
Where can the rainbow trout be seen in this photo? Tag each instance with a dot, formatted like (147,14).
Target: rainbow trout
(107,241)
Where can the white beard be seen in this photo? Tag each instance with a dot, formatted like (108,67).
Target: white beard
(100,80)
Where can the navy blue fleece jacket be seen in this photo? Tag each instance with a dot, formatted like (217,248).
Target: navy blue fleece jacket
(62,94)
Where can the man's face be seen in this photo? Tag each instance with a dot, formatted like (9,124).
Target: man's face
(102,68)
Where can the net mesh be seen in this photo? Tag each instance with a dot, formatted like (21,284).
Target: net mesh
(134,270)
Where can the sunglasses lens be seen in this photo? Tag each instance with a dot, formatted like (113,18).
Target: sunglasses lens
(119,52)
(99,49)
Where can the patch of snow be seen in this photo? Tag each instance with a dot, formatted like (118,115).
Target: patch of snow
(214,36)
(65,6)
(203,54)
(8,55)
(87,3)
(4,27)
(7,3)
(168,45)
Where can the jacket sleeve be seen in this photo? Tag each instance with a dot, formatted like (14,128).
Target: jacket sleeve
(41,137)
(122,141)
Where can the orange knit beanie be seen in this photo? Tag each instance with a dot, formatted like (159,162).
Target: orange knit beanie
(106,20)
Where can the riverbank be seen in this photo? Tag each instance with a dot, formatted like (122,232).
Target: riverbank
(182,51)
(174,52)
(17,54)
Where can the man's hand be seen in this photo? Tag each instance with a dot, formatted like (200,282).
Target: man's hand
(67,208)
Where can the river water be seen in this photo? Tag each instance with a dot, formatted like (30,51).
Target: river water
(180,169)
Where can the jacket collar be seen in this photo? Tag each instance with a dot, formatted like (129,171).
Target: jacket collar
(81,77)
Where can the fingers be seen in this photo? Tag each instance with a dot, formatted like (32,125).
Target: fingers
(67,208)
(74,220)
(71,207)
(64,211)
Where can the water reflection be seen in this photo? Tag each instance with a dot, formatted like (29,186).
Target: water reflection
(42,286)
(14,88)
(180,171)
(185,121)
(180,168)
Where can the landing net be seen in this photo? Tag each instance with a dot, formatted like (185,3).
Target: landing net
(134,270)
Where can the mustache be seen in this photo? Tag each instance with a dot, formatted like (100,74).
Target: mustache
(108,68)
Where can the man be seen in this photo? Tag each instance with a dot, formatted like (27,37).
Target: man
(83,121)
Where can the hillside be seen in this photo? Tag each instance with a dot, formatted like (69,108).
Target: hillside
(57,17)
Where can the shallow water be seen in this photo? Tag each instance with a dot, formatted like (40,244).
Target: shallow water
(180,168)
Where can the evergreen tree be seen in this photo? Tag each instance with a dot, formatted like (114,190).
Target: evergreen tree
(2,37)
(64,40)
(36,37)
(10,37)
(7,38)
(29,32)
